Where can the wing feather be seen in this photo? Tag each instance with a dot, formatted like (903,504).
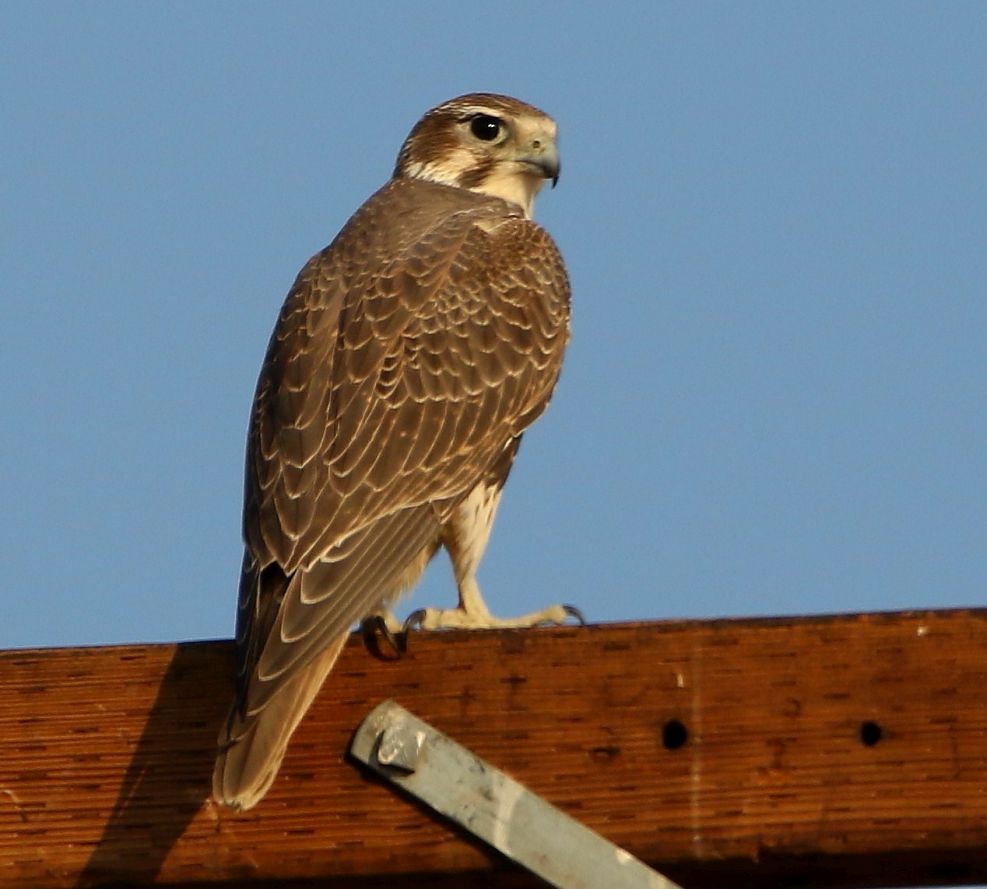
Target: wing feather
(303,629)
(408,355)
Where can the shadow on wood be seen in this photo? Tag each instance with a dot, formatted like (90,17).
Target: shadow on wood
(167,780)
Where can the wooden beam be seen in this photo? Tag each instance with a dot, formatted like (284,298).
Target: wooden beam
(826,751)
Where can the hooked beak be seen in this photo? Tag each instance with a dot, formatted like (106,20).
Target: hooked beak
(543,156)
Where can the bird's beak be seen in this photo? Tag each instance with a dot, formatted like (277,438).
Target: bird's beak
(544,157)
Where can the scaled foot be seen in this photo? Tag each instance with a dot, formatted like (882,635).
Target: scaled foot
(476,619)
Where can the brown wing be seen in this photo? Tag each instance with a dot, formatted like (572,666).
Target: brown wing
(406,358)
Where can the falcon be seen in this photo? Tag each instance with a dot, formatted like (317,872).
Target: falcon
(408,359)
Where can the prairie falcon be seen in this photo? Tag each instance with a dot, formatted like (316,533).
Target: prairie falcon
(408,359)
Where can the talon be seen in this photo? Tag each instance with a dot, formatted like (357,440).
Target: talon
(375,628)
(573,611)
(413,622)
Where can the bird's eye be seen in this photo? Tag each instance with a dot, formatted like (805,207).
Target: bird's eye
(485,127)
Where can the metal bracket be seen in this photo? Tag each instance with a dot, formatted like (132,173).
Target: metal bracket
(446,776)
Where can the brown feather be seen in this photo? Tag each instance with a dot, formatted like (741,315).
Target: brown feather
(407,360)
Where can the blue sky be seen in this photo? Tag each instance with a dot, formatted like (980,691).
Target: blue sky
(774,216)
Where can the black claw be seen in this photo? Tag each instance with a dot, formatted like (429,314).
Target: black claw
(412,622)
(573,611)
(375,628)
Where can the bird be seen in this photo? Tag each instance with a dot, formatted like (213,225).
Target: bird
(408,359)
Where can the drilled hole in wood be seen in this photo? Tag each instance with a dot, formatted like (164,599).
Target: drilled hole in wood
(674,734)
(870,733)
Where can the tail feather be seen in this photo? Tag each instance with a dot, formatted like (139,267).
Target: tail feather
(252,745)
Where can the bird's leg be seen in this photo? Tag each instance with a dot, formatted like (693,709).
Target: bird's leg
(465,537)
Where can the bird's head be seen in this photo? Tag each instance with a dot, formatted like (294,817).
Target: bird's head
(487,143)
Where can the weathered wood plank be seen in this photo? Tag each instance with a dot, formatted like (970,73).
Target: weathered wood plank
(105,756)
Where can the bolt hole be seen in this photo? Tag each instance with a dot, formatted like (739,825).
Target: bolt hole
(674,734)
(870,733)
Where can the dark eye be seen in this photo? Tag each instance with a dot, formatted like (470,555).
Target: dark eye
(485,127)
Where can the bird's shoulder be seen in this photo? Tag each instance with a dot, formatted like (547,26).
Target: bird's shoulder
(407,216)
(415,229)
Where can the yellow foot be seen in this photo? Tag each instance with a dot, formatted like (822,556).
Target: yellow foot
(460,619)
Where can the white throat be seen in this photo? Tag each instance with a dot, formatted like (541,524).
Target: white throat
(518,188)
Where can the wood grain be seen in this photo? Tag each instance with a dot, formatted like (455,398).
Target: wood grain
(825,751)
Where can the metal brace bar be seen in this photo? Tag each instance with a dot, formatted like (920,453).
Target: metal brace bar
(449,778)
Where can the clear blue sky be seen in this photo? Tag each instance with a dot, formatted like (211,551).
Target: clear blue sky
(774,216)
